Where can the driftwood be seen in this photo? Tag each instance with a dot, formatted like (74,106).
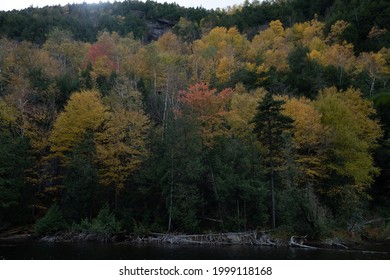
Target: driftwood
(376,221)
(214,220)
(336,243)
(229,238)
(297,241)
(15,231)
(17,234)
(17,237)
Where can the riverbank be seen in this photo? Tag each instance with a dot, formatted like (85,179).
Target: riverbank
(38,249)
(250,238)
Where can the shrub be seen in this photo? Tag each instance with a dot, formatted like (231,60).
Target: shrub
(105,222)
(83,226)
(52,222)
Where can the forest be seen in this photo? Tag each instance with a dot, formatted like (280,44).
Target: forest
(268,115)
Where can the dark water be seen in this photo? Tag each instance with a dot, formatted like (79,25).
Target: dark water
(99,251)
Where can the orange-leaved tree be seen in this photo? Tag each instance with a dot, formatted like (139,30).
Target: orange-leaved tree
(210,108)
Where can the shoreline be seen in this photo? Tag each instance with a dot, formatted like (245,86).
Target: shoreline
(216,239)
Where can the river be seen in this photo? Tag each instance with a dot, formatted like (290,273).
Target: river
(117,251)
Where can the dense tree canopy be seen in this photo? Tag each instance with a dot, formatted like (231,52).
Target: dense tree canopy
(187,132)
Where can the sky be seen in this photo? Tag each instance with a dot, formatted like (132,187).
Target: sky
(7,5)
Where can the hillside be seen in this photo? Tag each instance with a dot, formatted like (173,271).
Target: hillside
(146,117)
(148,20)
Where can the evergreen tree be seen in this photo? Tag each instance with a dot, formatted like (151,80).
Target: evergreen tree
(81,181)
(14,194)
(270,124)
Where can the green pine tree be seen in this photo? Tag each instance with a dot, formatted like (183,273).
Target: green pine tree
(270,124)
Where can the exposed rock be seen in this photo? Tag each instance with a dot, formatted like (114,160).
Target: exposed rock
(157,28)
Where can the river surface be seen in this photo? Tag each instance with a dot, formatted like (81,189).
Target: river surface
(116,251)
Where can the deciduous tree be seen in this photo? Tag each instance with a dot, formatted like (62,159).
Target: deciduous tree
(351,137)
(210,108)
(84,112)
(121,147)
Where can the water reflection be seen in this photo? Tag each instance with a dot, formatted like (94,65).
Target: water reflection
(96,251)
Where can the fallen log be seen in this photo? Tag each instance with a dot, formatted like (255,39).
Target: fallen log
(17,237)
(338,244)
(376,221)
(214,220)
(297,241)
(228,238)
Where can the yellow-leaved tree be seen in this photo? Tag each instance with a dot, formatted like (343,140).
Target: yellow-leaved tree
(243,110)
(121,147)
(71,144)
(272,48)
(308,138)
(121,144)
(218,55)
(351,136)
(118,134)
(84,112)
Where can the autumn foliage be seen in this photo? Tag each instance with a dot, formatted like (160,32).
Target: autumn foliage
(189,132)
(209,107)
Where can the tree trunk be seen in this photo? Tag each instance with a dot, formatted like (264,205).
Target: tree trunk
(116,199)
(238,209)
(216,195)
(273,193)
(165,110)
(170,209)
(372,86)
(271,174)
(245,214)
(154,81)
(171,196)
(341,74)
